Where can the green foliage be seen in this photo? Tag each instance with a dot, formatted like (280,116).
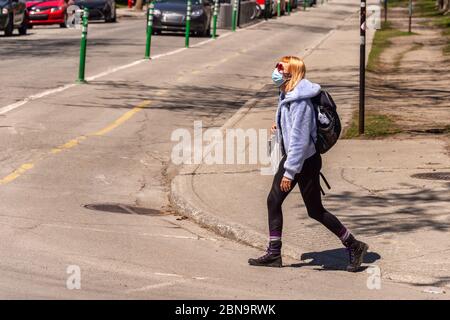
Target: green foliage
(397,3)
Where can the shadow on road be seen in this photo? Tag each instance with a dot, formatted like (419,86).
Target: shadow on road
(440,283)
(122,208)
(200,100)
(331,260)
(397,212)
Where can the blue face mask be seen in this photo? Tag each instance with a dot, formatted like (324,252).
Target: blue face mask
(277,78)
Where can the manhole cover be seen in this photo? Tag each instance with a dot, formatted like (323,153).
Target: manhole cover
(433,176)
(123,208)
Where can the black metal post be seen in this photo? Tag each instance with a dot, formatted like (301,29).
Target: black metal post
(385,10)
(239,14)
(267,9)
(362,66)
(410,9)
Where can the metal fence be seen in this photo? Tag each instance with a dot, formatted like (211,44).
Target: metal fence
(247,13)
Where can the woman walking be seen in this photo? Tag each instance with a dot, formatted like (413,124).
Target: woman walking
(296,125)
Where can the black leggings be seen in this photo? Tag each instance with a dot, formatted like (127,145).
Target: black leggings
(309,183)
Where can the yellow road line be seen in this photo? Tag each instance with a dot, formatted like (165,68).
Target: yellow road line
(72,143)
(75,142)
(122,119)
(17,173)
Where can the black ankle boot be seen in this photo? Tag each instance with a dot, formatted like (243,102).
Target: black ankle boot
(357,250)
(271,259)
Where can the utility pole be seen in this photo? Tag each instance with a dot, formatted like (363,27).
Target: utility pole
(362,66)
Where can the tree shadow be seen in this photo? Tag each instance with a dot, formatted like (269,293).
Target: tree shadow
(200,100)
(180,33)
(67,47)
(296,27)
(331,260)
(392,212)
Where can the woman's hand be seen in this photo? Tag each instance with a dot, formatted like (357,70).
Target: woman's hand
(285,184)
(273,128)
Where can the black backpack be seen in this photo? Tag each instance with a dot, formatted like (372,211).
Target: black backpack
(327,133)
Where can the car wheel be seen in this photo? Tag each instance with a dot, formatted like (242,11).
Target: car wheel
(114,13)
(23,28)
(205,32)
(64,24)
(10,26)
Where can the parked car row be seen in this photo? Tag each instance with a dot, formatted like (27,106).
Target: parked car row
(13,14)
(24,14)
(170,15)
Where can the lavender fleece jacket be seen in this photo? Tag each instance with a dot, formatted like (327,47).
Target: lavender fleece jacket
(295,116)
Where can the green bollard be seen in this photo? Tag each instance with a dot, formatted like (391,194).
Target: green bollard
(234,16)
(148,43)
(216,12)
(83,45)
(288,8)
(278,8)
(188,24)
(304,5)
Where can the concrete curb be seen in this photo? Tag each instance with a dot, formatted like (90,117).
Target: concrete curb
(183,199)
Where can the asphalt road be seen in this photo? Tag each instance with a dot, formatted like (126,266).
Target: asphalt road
(48,56)
(84,173)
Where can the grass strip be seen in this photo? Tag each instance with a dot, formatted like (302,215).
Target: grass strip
(376,126)
(382,41)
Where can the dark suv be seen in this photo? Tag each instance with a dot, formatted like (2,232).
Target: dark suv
(13,15)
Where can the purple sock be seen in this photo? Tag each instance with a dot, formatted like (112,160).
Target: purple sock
(275,235)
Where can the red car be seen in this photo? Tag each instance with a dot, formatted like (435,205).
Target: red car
(262,5)
(45,12)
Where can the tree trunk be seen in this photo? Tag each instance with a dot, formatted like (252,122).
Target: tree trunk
(139,5)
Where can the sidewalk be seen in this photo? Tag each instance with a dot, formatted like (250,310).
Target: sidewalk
(405,220)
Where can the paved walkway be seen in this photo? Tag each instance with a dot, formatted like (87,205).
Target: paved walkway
(405,220)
